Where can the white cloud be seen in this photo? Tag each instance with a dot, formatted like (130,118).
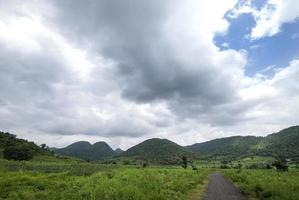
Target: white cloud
(225,44)
(270,17)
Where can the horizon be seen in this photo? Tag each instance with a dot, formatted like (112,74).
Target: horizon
(123,72)
(125,149)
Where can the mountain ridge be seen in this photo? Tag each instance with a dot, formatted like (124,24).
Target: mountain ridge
(83,149)
(285,142)
(159,151)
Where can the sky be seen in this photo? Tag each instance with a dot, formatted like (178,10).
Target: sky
(125,71)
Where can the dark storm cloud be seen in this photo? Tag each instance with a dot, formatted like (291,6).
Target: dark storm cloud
(31,74)
(133,33)
(148,59)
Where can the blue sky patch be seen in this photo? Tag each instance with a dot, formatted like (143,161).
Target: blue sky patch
(266,53)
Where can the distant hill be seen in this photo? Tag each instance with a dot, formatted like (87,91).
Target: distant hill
(163,151)
(118,151)
(159,151)
(285,142)
(226,147)
(84,150)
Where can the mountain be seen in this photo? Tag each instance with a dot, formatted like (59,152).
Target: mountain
(285,142)
(226,147)
(118,151)
(84,150)
(159,151)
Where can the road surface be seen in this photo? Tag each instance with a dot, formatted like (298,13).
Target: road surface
(221,189)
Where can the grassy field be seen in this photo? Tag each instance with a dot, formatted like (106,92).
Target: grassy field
(266,184)
(48,177)
(50,180)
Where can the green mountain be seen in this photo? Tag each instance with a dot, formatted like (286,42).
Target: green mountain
(159,151)
(118,151)
(226,147)
(285,142)
(84,150)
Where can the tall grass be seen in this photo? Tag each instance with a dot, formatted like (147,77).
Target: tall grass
(37,181)
(266,184)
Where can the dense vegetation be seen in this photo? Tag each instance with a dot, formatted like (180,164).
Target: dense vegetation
(266,184)
(230,147)
(284,143)
(21,152)
(159,151)
(13,148)
(84,150)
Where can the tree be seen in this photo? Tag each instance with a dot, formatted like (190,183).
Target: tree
(239,166)
(281,164)
(21,152)
(43,146)
(144,164)
(224,164)
(184,162)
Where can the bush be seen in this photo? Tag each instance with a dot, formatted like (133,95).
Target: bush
(259,166)
(281,164)
(223,166)
(144,165)
(20,152)
(184,162)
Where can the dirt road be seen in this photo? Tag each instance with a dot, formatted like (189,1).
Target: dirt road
(221,189)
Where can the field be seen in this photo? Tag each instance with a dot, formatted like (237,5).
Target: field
(47,177)
(266,184)
(49,180)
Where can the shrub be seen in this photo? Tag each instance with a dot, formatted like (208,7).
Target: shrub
(223,166)
(184,162)
(259,166)
(144,165)
(281,164)
(21,152)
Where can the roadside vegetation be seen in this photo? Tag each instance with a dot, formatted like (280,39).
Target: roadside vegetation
(37,180)
(266,184)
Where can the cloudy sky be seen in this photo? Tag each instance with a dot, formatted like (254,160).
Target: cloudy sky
(127,70)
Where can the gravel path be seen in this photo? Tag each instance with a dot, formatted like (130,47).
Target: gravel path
(221,189)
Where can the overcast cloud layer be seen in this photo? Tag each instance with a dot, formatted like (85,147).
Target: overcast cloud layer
(125,71)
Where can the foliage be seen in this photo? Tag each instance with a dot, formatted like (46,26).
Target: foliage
(281,164)
(184,162)
(224,164)
(259,166)
(20,152)
(266,184)
(13,148)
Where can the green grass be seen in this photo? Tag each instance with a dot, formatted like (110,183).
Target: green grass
(66,178)
(48,180)
(266,184)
